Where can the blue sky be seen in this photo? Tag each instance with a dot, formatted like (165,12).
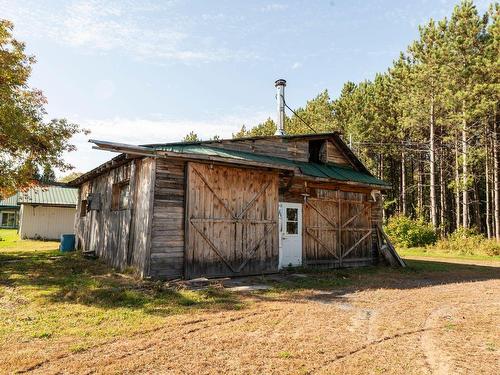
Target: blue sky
(151,71)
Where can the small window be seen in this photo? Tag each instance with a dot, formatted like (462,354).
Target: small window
(120,196)
(292,221)
(8,219)
(83,208)
(317,151)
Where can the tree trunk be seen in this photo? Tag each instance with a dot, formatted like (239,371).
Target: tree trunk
(465,189)
(496,181)
(442,194)
(457,188)
(487,182)
(403,183)
(477,208)
(432,181)
(420,189)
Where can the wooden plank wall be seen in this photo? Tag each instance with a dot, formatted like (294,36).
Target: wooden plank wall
(334,155)
(324,241)
(142,218)
(167,235)
(294,149)
(283,148)
(231,221)
(107,231)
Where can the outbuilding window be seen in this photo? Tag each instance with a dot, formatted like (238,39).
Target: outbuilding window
(120,196)
(8,219)
(317,151)
(83,208)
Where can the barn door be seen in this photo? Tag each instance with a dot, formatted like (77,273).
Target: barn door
(232,217)
(337,227)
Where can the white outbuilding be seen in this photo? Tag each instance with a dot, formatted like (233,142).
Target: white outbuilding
(47,212)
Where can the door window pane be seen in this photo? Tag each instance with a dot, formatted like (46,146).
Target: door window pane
(292,214)
(292,221)
(292,227)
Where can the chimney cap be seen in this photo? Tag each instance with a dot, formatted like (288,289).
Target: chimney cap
(280,82)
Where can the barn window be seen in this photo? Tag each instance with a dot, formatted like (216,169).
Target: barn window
(317,150)
(120,196)
(292,220)
(83,208)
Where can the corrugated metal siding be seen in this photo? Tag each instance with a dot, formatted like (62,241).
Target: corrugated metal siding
(46,222)
(49,195)
(10,202)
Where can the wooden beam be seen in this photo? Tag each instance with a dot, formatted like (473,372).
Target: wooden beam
(309,232)
(357,243)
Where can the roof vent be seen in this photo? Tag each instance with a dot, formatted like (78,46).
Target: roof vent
(280,98)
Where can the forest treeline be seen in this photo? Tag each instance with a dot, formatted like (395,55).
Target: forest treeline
(428,125)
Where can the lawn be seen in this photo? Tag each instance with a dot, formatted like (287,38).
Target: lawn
(430,252)
(62,313)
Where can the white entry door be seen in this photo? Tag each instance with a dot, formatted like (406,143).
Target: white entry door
(290,217)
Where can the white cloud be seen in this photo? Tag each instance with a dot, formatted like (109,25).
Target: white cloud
(104,89)
(274,7)
(154,31)
(296,65)
(154,130)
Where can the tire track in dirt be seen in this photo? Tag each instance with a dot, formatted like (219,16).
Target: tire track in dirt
(159,341)
(361,348)
(436,359)
(143,336)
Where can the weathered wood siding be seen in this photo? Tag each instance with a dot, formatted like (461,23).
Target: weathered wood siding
(142,219)
(231,221)
(294,149)
(338,224)
(283,148)
(107,231)
(167,235)
(334,155)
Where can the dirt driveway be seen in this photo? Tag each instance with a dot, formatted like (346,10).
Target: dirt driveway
(436,318)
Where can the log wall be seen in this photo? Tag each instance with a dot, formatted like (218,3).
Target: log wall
(167,235)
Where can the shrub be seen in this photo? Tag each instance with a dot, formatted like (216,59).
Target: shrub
(407,232)
(468,242)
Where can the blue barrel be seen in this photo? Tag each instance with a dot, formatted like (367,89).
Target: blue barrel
(67,242)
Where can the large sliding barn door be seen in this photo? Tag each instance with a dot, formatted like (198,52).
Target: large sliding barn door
(337,228)
(232,217)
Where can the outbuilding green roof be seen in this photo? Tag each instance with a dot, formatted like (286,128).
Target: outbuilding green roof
(49,195)
(10,202)
(333,171)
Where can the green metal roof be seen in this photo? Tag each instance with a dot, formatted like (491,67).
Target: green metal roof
(49,195)
(10,202)
(332,171)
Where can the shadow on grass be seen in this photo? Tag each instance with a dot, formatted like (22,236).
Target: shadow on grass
(418,274)
(70,278)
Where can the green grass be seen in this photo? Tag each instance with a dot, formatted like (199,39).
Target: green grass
(10,242)
(430,252)
(47,295)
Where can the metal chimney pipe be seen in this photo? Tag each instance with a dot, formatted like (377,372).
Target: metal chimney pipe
(280,98)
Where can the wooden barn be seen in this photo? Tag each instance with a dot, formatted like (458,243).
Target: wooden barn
(230,207)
